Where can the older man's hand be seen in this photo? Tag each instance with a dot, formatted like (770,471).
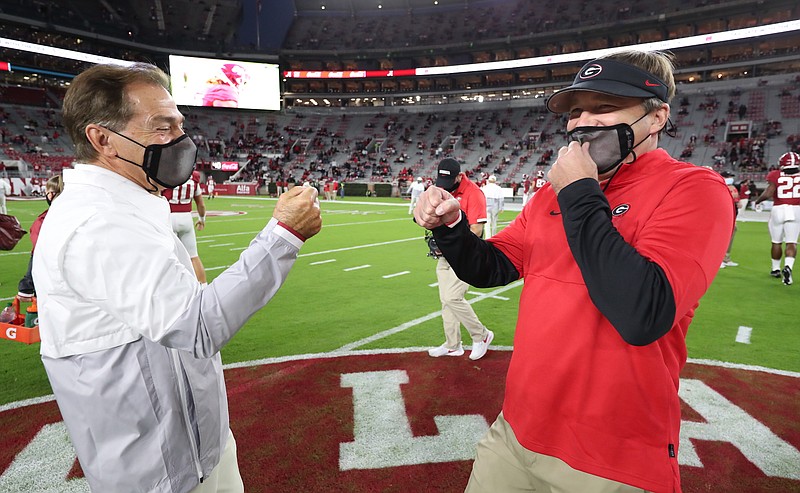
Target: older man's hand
(298,208)
(436,206)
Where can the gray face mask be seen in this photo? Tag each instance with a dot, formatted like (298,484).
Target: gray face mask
(609,145)
(170,164)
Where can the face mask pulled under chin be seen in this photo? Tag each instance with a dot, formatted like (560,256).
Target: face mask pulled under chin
(608,145)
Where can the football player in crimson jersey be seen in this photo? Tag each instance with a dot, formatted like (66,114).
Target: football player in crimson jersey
(526,189)
(180,206)
(538,183)
(784,220)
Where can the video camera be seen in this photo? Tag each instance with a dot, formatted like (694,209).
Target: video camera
(433,249)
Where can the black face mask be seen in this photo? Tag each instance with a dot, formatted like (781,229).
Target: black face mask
(453,187)
(170,164)
(609,145)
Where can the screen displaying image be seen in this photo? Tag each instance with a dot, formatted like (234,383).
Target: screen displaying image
(225,83)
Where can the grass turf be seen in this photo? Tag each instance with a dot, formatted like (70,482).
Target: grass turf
(367,272)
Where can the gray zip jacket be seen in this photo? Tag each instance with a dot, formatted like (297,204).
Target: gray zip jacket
(130,340)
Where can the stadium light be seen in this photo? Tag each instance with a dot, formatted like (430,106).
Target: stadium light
(670,44)
(59,52)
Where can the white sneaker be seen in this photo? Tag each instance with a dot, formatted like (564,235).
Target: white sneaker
(730,263)
(443,350)
(479,348)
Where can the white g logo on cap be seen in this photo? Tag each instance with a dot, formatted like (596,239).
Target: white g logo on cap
(591,71)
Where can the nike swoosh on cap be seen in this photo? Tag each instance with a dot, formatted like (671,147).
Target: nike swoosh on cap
(651,84)
(555,213)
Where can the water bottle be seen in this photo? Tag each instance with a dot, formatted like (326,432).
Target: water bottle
(32,315)
(7,315)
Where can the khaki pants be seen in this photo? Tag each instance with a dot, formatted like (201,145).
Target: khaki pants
(455,309)
(502,464)
(225,478)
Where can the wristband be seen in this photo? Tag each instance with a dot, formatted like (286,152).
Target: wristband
(452,224)
(202,219)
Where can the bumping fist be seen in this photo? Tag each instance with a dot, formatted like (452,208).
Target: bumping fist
(436,207)
(299,209)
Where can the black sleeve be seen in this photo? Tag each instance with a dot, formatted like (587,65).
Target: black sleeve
(26,283)
(474,260)
(630,290)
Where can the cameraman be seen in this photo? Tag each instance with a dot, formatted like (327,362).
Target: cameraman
(455,309)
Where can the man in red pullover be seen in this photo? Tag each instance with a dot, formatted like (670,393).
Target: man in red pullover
(615,256)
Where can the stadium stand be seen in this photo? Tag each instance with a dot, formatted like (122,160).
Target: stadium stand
(384,130)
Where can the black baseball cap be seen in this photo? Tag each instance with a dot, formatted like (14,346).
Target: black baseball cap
(610,77)
(447,172)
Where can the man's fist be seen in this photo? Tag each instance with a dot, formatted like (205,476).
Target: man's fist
(436,207)
(572,164)
(298,209)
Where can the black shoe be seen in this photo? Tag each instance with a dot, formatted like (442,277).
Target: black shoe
(775,273)
(787,275)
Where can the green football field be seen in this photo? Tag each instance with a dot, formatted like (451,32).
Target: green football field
(365,282)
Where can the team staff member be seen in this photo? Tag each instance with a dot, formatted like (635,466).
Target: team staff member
(728,176)
(615,255)
(53,188)
(415,190)
(130,339)
(180,207)
(455,309)
(784,218)
(495,204)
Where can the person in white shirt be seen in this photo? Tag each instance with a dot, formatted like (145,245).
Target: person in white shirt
(495,204)
(210,184)
(5,189)
(415,189)
(130,339)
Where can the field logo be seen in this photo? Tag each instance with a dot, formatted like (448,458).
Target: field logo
(402,420)
(382,430)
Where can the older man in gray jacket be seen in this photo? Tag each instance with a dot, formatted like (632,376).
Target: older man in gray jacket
(130,339)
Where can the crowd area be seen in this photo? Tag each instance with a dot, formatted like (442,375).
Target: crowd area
(740,131)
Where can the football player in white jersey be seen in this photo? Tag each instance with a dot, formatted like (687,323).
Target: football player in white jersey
(180,206)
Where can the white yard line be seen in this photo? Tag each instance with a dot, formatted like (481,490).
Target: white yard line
(477,293)
(424,318)
(324,252)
